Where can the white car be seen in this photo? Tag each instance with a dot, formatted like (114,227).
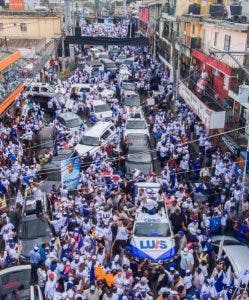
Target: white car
(136,123)
(71,121)
(90,141)
(152,235)
(101,110)
(236,252)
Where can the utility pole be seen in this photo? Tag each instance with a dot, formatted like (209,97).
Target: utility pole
(63,50)
(177,39)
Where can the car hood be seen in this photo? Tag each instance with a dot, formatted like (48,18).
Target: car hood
(83,149)
(103,115)
(28,245)
(238,256)
(154,248)
(145,168)
(137,131)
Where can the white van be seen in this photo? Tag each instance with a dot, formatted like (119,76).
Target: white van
(18,279)
(90,141)
(101,110)
(152,235)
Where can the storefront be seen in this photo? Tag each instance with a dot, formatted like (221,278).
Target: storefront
(220,75)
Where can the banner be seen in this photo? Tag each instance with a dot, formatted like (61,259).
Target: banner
(16,5)
(70,172)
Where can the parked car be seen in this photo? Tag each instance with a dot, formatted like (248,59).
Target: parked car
(109,65)
(71,121)
(101,110)
(120,59)
(33,230)
(90,141)
(128,86)
(139,156)
(131,98)
(136,126)
(233,250)
(18,278)
(80,88)
(42,92)
(44,140)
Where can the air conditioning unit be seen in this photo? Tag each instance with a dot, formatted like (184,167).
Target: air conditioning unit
(243,93)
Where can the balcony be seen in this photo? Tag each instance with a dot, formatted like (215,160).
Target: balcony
(191,42)
(211,113)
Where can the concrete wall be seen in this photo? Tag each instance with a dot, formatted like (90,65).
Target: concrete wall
(238,42)
(37,27)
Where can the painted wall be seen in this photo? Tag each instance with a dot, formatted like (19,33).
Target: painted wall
(238,42)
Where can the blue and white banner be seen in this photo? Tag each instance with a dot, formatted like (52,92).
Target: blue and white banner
(70,172)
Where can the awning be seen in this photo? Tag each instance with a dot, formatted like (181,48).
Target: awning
(212,62)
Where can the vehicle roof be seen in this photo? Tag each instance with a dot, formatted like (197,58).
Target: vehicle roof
(39,84)
(97,129)
(138,140)
(160,217)
(93,62)
(68,116)
(238,256)
(55,162)
(130,93)
(98,102)
(46,132)
(107,60)
(148,185)
(79,85)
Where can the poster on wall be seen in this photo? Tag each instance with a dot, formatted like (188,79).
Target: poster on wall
(16,4)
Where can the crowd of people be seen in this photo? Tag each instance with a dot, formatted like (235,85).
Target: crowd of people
(88,258)
(104,29)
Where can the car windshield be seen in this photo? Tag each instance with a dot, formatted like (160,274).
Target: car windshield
(101,108)
(89,140)
(73,123)
(15,280)
(136,124)
(46,144)
(33,228)
(133,101)
(110,65)
(128,86)
(139,158)
(152,230)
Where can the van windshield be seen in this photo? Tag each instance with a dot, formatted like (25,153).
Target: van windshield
(33,228)
(73,123)
(46,144)
(101,108)
(89,140)
(152,230)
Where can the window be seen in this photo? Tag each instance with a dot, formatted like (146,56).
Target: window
(193,29)
(23,26)
(106,135)
(1,26)
(216,34)
(35,89)
(227,42)
(44,90)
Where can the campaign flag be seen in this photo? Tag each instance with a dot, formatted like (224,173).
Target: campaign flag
(244,229)
(70,172)
(220,248)
(215,223)
(244,276)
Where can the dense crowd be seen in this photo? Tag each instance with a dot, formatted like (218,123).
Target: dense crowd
(87,258)
(104,30)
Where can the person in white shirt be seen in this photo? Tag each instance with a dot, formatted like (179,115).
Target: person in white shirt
(149,206)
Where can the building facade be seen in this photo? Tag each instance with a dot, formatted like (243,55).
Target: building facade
(30,24)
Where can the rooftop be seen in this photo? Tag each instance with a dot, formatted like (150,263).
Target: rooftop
(24,13)
(227,24)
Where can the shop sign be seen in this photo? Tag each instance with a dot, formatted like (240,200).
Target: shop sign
(16,5)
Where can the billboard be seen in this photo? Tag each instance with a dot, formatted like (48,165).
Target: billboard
(70,172)
(16,4)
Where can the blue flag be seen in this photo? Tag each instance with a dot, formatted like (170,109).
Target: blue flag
(215,223)
(81,242)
